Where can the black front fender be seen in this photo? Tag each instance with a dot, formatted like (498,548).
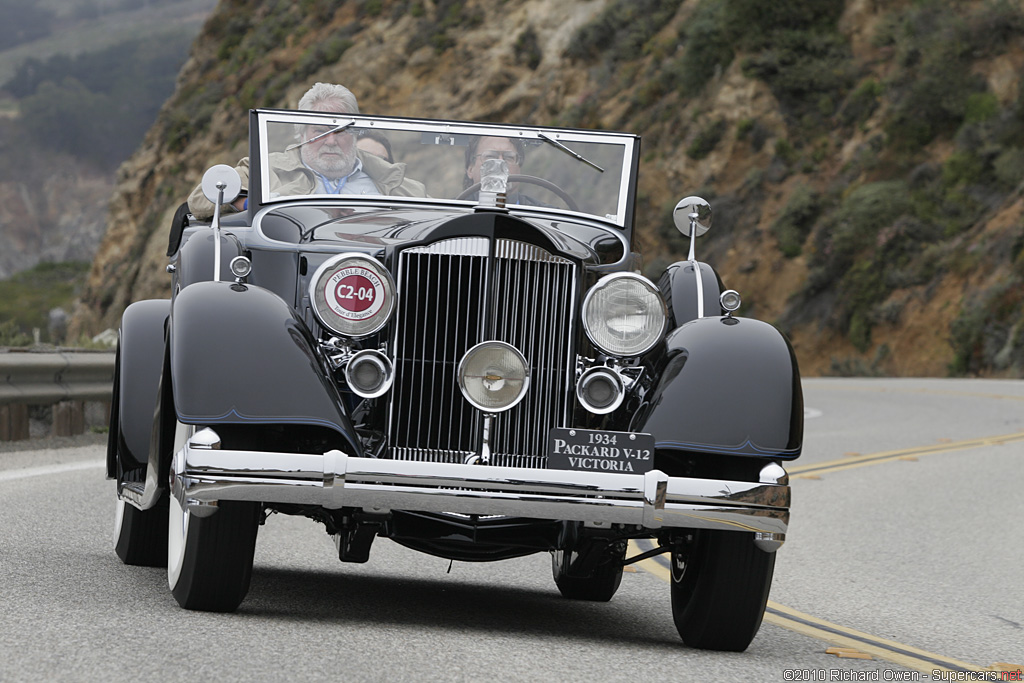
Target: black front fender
(140,358)
(241,356)
(725,385)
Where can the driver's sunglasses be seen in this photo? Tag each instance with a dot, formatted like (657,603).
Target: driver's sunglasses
(509,157)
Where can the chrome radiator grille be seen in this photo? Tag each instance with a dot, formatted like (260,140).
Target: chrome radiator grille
(443,310)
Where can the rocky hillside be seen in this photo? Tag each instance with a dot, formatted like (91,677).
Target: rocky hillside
(53,207)
(80,82)
(865,159)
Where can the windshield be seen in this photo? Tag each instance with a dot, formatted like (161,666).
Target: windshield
(306,155)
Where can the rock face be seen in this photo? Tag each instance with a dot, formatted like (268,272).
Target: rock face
(47,215)
(786,164)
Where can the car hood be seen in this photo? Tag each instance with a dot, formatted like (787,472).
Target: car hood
(385,228)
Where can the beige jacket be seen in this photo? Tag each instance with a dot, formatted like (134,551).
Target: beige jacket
(291,177)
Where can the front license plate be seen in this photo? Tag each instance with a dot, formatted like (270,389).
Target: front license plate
(592,450)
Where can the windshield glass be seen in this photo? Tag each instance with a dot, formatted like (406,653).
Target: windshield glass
(330,156)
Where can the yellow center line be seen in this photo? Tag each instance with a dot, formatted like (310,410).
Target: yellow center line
(888,650)
(807,625)
(886,456)
(917,390)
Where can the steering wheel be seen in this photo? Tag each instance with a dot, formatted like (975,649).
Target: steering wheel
(529,180)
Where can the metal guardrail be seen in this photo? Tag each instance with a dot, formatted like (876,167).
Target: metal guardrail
(48,377)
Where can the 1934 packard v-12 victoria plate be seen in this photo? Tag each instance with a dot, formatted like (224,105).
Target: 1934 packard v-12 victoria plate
(474,370)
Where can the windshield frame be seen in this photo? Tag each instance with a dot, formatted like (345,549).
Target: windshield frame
(260,193)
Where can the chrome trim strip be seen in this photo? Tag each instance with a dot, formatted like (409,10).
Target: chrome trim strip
(335,480)
(456,246)
(523,251)
(141,496)
(700,288)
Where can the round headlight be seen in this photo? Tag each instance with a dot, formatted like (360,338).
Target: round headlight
(624,314)
(493,376)
(353,295)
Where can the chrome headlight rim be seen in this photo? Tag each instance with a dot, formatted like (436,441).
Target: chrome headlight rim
(461,375)
(338,319)
(604,282)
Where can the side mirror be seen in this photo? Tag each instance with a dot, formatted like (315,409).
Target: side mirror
(692,212)
(692,217)
(221,184)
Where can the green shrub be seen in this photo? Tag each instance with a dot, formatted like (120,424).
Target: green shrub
(796,220)
(193,110)
(861,103)
(319,11)
(963,167)
(935,89)
(371,8)
(709,50)
(321,54)
(753,24)
(1008,168)
(706,140)
(620,32)
(27,297)
(987,333)
(11,335)
(864,211)
(527,48)
(785,151)
(992,27)
(808,72)
(981,106)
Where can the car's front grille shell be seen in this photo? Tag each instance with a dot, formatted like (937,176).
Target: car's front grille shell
(443,310)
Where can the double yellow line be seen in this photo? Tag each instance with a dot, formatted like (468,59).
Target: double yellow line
(851,642)
(847,639)
(811,470)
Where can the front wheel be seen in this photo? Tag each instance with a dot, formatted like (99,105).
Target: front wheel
(720,585)
(209,558)
(140,536)
(599,583)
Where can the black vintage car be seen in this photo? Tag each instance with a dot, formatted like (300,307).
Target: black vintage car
(462,358)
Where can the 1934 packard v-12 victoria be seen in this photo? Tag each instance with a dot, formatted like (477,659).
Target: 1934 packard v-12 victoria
(477,373)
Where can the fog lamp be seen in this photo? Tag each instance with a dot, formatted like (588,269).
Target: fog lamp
(369,373)
(493,376)
(600,390)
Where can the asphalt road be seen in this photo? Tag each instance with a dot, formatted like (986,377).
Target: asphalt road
(905,545)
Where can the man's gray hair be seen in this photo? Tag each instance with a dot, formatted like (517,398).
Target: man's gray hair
(329,93)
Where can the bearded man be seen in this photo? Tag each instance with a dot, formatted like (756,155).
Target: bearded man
(323,161)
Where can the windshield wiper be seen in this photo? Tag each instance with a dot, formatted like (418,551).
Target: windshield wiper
(317,137)
(568,151)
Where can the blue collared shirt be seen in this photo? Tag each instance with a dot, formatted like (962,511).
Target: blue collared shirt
(356,182)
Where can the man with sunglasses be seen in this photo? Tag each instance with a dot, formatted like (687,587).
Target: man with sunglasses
(482,148)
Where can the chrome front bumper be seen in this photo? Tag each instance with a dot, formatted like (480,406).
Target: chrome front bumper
(203,474)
